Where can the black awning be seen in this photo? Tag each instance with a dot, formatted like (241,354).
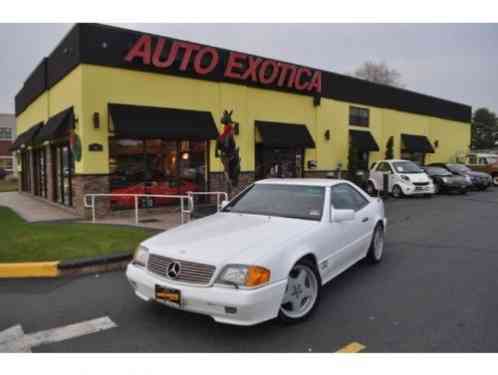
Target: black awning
(363,140)
(57,126)
(276,134)
(416,143)
(26,138)
(138,122)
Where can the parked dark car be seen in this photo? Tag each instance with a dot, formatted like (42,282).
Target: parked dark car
(3,173)
(445,181)
(479,180)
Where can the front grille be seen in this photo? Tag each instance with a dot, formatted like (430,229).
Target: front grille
(190,272)
(420,183)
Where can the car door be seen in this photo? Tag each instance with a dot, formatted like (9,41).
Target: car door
(384,168)
(376,175)
(345,241)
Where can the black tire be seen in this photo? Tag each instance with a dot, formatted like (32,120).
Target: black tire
(463,191)
(371,189)
(372,258)
(285,318)
(397,192)
(429,196)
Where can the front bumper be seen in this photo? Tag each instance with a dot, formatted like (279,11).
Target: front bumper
(416,190)
(454,186)
(481,183)
(251,306)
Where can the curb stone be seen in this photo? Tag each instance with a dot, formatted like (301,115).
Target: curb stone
(99,264)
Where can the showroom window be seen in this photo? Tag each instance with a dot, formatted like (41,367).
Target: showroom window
(158,167)
(40,172)
(359,116)
(63,170)
(26,171)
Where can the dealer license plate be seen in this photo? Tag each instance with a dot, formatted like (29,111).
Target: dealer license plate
(168,295)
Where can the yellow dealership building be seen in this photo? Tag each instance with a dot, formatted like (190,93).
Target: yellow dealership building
(112,110)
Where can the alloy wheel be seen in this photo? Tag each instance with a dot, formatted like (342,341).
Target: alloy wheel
(495,180)
(301,292)
(396,191)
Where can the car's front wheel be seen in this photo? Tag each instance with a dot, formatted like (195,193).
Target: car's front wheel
(397,192)
(376,250)
(301,294)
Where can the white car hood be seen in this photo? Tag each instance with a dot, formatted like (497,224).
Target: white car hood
(219,238)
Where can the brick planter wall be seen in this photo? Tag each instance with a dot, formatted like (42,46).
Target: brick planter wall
(87,184)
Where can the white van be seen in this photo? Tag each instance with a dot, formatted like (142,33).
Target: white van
(405,178)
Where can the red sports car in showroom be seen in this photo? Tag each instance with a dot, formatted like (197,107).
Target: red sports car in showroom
(153,188)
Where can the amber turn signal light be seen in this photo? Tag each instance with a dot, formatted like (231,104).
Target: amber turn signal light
(257,276)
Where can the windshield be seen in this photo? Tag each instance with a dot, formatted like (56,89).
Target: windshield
(458,168)
(406,167)
(292,201)
(435,171)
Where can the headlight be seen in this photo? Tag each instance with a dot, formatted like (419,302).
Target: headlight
(247,276)
(141,256)
(445,179)
(468,179)
(405,178)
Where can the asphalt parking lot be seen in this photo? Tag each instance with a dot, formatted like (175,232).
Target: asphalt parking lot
(435,291)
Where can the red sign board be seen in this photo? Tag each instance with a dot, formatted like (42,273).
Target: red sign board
(204,60)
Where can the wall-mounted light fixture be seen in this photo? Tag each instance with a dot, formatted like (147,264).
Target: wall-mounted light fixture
(327,135)
(96,120)
(436,143)
(185,156)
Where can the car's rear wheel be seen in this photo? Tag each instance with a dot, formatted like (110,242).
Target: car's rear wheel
(371,189)
(301,294)
(397,192)
(376,250)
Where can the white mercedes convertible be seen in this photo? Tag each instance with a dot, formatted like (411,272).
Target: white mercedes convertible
(266,254)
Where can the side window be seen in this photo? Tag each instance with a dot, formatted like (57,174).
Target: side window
(345,197)
(483,161)
(384,167)
(381,167)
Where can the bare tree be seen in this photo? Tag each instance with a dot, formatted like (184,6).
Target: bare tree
(379,73)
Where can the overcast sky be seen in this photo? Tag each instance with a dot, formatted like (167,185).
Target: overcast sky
(458,62)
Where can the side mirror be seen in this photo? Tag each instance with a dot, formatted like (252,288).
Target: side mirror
(223,204)
(339,216)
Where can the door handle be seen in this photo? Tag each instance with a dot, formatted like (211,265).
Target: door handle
(365,219)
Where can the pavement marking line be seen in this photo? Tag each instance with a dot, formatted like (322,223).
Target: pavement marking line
(29,269)
(26,342)
(12,333)
(353,347)
(11,340)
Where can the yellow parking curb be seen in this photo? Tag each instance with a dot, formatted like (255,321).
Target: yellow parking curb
(354,347)
(29,269)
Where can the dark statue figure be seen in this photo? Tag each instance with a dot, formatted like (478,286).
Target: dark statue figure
(228,152)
